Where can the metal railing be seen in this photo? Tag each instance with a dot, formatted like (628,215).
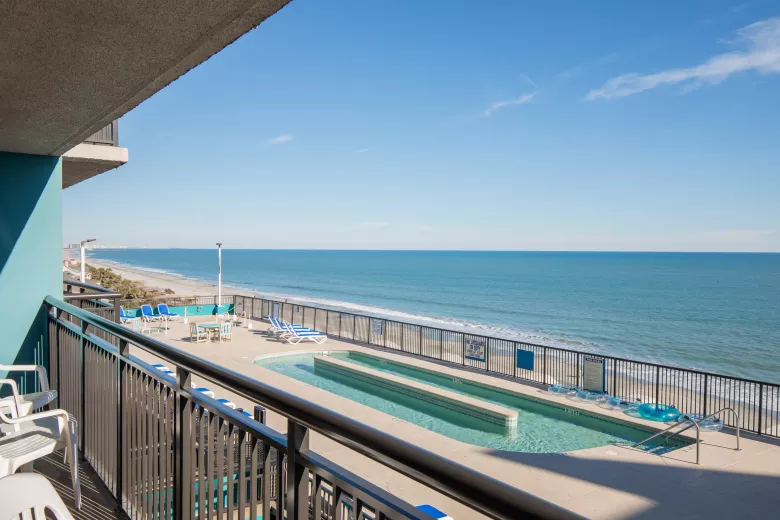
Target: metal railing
(691,391)
(94,298)
(108,135)
(177,301)
(167,451)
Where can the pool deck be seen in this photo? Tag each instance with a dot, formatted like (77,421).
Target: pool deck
(603,482)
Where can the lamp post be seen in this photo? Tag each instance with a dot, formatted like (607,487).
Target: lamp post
(84,259)
(219,274)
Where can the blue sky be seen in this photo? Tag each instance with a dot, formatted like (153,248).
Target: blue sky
(438,125)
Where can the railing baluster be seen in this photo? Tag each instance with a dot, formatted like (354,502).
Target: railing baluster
(297,501)
(181,463)
(266,482)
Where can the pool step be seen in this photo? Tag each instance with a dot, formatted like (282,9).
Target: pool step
(454,401)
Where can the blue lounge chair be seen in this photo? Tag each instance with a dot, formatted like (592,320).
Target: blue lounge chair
(227,402)
(123,316)
(148,314)
(162,310)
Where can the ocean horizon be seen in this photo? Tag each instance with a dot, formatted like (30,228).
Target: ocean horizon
(716,312)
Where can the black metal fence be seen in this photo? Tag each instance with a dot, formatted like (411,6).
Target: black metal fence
(177,301)
(94,298)
(692,391)
(167,451)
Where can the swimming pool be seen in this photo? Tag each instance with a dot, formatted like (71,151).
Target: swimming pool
(541,428)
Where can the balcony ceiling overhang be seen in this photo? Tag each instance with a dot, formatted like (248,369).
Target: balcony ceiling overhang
(68,68)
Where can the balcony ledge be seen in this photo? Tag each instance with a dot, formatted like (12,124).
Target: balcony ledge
(85,160)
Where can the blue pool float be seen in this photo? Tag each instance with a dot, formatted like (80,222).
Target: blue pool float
(561,389)
(621,403)
(713,424)
(658,412)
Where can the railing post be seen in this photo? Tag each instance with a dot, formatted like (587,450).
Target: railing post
(354,321)
(340,316)
(760,407)
(124,351)
(83,387)
(297,500)
(463,354)
(182,485)
(487,354)
(544,366)
(421,339)
(259,414)
(579,369)
(706,380)
(657,383)
(116,310)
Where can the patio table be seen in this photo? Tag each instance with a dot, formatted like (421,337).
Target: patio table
(210,328)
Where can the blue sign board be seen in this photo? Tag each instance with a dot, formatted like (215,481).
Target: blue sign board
(525,359)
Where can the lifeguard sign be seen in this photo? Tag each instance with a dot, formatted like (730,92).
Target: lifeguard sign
(594,374)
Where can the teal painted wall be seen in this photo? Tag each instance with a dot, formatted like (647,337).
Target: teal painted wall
(192,310)
(30,250)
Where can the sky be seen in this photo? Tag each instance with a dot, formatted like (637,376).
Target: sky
(607,125)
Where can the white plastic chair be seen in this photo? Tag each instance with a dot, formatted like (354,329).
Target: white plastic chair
(26,439)
(29,493)
(34,400)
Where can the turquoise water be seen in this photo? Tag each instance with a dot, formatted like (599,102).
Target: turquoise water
(715,312)
(540,428)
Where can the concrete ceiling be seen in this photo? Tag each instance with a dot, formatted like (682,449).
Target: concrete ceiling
(70,67)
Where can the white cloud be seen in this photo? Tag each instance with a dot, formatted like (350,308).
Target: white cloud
(762,54)
(281,139)
(498,105)
(362,150)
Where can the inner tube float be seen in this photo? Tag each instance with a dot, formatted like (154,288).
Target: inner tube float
(658,412)
(561,389)
(713,424)
(621,403)
(587,396)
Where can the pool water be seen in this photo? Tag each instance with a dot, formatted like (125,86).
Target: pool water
(541,428)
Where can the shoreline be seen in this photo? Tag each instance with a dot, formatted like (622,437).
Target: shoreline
(179,285)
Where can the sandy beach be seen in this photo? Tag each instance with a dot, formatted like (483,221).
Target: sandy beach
(180,286)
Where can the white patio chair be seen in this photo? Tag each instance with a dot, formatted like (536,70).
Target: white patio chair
(198,335)
(26,439)
(226,331)
(29,495)
(33,400)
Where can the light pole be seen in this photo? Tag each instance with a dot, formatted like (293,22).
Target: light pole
(219,274)
(84,259)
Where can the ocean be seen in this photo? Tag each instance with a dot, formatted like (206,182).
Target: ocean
(717,312)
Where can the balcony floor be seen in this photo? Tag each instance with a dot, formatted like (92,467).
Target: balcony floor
(96,501)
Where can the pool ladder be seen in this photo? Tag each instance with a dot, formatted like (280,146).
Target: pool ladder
(686,420)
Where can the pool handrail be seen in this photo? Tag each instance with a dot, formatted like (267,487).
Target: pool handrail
(687,419)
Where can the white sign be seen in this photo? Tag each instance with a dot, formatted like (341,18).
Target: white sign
(475,349)
(377,326)
(593,374)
